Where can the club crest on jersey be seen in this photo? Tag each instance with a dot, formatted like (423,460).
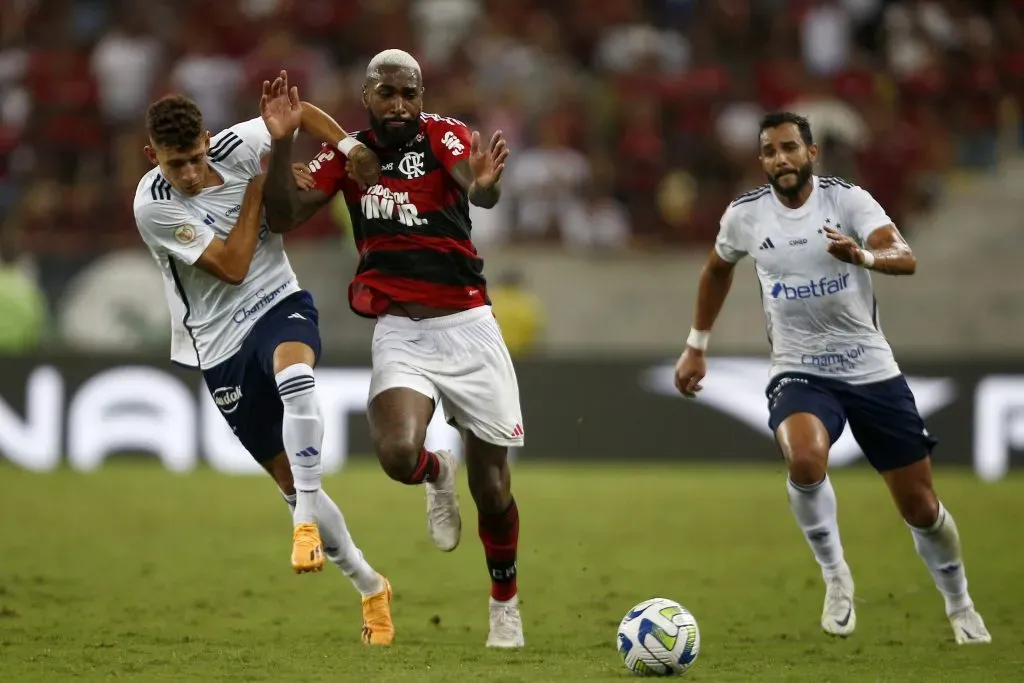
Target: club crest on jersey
(185,234)
(412,165)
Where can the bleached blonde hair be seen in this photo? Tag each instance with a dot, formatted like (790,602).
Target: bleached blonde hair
(392,59)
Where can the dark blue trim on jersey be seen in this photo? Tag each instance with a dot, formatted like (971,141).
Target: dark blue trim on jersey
(751,196)
(218,146)
(832,181)
(224,147)
(160,189)
(767,315)
(874,311)
(188,307)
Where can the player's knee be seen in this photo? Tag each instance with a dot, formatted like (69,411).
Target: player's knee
(397,455)
(919,506)
(807,464)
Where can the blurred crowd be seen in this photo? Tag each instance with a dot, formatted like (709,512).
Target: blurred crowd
(632,122)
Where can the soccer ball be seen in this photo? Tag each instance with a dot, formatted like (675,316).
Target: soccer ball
(658,637)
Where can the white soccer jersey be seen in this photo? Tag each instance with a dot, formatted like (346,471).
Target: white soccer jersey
(210,318)
(821,313)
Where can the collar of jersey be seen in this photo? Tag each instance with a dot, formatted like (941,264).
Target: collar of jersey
(787,212)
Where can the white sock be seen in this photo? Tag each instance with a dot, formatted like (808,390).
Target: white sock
(303,435)
(939,547)
(339,546)
(814,507)
(342,550)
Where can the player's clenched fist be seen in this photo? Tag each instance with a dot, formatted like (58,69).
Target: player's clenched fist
(690,370)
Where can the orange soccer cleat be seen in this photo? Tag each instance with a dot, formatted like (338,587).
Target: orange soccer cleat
(378,629)
(307,549)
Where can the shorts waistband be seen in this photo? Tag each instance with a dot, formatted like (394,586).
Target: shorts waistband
(444,322)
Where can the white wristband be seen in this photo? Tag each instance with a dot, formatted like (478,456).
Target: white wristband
(698,339)
(867,258)
(347,144)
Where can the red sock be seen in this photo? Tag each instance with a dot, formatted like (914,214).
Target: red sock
(427,468)
(500,536)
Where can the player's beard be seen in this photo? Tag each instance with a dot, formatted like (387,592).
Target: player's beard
(391,136)
(803,176)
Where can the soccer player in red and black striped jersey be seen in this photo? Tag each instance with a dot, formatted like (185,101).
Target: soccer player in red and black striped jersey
(420,277)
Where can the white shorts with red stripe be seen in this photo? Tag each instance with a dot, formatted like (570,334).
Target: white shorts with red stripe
(459,360)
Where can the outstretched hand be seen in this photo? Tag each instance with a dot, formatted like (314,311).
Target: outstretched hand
(487,163)
(281,107)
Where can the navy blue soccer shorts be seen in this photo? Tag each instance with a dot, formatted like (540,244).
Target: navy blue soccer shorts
(243,386)
(883,416)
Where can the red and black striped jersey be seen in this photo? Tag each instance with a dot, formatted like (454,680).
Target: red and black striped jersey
(412,229)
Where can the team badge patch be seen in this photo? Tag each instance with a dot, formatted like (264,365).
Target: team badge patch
(185,234)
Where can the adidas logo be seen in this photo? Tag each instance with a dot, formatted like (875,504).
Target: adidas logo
(767,244)
(518,431)
(308,452)
(296,316)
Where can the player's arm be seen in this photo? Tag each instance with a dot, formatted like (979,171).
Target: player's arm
(282,111)
(363,162)
(887,252)
(479,171)
(229,259)
(167,226)
(287,206)
(884,249)
(712,290)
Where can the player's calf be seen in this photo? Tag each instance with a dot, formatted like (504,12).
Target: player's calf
(498,526)
(302,433)
(937,541)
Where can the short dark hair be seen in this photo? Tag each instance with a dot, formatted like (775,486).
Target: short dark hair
(174,122)
(777,118)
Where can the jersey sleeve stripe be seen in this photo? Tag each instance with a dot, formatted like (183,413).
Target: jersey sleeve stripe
(750,197)
(756,190)
(832,181)
(160,189)
(219,146)
(221,156)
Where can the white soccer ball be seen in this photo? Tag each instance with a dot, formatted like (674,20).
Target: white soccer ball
(658,637)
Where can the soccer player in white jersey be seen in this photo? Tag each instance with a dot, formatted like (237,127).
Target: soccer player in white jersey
(239,314)
(815,241)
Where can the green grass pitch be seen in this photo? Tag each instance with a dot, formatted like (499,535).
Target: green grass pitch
(139,575)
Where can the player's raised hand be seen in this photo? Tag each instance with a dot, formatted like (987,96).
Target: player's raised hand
(281,107)
(843,247)
(487,163)
(690,370)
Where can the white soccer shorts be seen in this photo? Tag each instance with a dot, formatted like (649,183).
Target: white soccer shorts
(459,360)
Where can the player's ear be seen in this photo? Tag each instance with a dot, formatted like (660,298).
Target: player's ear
(206,142)
(812,151)
(366,100)
(151,155)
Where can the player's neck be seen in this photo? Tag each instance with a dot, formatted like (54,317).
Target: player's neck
(797,200)
(213,179)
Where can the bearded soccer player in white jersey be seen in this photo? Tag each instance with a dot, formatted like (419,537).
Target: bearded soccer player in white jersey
(239,314)
(814,241)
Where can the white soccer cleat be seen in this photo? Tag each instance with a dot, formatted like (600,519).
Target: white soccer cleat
(506,624)
(838,617)
(969,628)
(443,520)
